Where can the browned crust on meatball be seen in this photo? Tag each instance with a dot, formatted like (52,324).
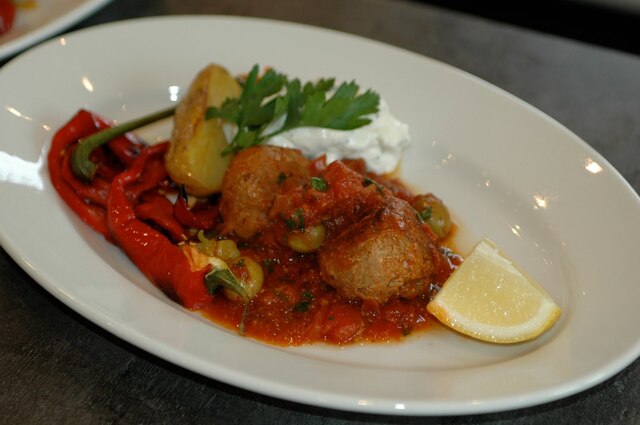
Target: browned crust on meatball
(254,178)
(379,255)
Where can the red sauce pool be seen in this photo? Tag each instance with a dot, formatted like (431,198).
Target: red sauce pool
(295,307)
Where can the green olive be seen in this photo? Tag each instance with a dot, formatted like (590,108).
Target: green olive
(205,245)
(249,274)
(226,249)
(308,240)
(433,211)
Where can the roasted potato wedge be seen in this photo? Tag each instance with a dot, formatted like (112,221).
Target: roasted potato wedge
(195,153)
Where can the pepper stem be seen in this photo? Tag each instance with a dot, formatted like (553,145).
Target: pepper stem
(81,163)
(225,278)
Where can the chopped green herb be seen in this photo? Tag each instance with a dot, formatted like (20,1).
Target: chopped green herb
(426,213)
(272,97)
(281,178)
(225,278)
(319,184)
(296,221)
(369,181)
(302,307)
(269,263)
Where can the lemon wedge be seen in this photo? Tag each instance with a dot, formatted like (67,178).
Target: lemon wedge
(490,298)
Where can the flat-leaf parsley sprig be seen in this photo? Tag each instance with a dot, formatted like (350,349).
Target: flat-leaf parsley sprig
(272,98)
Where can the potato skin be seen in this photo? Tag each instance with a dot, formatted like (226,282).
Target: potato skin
(195,155)
(251,184)
(385,254)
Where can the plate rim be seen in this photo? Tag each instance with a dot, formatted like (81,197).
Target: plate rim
(42,32)
(440,408)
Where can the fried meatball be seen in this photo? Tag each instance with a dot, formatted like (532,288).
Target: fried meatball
(380,255)
(251,183)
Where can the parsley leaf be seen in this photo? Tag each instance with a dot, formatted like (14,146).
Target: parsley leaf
(344,110)
(305,304)
(271,104)
(368,181)
(296,221)
(426,213)
(218,278)
(319,184)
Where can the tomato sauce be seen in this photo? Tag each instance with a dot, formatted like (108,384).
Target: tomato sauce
(295,307)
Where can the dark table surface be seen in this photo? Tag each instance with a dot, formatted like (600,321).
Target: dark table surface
(57,367)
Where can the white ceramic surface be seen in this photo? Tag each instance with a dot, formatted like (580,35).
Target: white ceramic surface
(505,169)
(45,19)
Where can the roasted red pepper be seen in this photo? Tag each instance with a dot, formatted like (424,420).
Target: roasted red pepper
(122,194)
(163,262)
(156,208)
(87,201)
(7,15)
(203,218)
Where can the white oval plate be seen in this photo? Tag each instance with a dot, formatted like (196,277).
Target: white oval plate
(505,169)
(47,18)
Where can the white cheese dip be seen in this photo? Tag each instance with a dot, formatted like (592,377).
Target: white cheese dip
(380,143)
